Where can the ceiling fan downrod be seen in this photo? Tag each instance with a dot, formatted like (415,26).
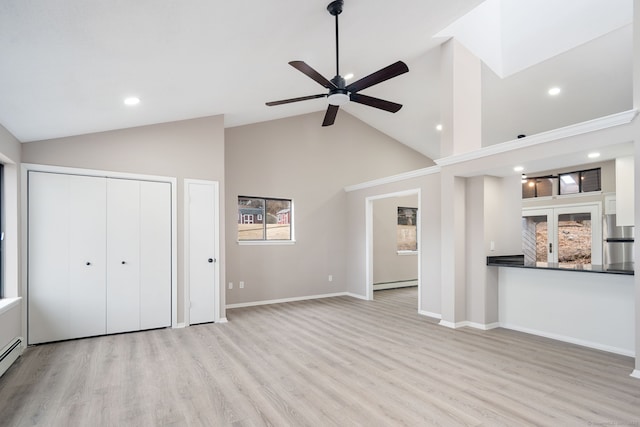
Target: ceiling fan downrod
(335,9)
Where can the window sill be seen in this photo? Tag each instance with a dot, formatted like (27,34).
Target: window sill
(407,253)
(7,303)
(266,242)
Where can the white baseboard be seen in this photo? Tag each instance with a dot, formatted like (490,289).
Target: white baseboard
(222,320)
(635,373)
(571,340)
(453,325)
(281,300)
(484,326)
(430,314)
(179,325)
(395,285)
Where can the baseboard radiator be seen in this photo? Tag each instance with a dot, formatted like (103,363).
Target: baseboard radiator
(9,354)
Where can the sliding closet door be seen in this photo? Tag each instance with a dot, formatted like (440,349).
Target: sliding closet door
(123,255)
(66,269)
(155,254)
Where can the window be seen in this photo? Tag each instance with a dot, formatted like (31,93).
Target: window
(264,219)
(564,183)
(580,182)
(407,229)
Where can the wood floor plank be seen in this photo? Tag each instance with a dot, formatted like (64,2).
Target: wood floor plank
(335,361)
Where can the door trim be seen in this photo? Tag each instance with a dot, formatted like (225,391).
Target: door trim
(216,249)
(24,196)
(369,240)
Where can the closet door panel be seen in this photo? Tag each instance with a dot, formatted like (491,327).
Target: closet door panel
(155,254)
(87,254)
(48,268)
(123,255)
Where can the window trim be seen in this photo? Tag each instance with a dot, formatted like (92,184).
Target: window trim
(265,242)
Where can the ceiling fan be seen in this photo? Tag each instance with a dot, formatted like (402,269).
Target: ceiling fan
(339,92)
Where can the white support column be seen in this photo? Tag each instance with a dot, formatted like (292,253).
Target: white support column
(461,100)
(453,257)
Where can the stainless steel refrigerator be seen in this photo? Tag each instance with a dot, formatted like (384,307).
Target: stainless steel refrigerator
(618,244)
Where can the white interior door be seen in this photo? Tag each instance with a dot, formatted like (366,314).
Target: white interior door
(201,247)
(66,246)
(123,255)
(155,254)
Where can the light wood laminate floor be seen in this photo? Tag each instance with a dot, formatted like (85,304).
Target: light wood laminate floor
(335,361)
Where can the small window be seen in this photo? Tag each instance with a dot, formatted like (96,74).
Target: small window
(537,187)
(407,229)
(264,219)
(580,182)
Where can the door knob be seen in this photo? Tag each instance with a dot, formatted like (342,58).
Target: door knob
(210,260)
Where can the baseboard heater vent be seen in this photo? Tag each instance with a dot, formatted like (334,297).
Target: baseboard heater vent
(9,354)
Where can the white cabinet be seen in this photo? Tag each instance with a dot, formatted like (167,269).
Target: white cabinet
(99,256)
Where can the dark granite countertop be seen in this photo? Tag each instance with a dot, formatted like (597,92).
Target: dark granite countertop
(519,262)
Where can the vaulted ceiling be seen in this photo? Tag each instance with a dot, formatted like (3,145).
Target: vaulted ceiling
(67,65)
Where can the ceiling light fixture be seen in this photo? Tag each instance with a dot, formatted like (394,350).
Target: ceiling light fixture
(554,91)
(438,127)
(593,155)
(518,168)
(132,100)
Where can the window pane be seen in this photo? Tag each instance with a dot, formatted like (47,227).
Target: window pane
(574,239)
(250,218)
(407,232)
(529,189)
(535,239)
(591,180)
(569,183)
(278,219)
(544,187)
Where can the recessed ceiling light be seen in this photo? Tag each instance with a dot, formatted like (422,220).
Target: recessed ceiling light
(438,128)
(518,168)
(554,91)
(132,100)
(593,155)
(348,76)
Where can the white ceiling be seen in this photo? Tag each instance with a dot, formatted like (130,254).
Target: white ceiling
(66,65)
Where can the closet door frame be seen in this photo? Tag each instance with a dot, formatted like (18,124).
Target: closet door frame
(27,167)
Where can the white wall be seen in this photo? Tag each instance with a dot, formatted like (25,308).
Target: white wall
(591,309)
(185,149)
(428,183)
(299,159)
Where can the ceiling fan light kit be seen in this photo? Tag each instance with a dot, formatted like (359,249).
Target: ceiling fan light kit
(339,93)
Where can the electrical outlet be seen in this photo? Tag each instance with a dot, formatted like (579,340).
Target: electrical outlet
(331,278)
(241,285)
(230,285)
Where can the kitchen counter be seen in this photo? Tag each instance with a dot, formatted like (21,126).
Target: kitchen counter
(519,262)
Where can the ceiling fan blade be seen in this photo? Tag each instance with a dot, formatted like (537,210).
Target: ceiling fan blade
(392,107)
(302,98)
(306,69)
(379,76)
(330,116)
